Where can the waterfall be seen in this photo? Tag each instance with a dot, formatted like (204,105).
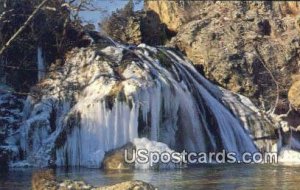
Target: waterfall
(105,97)
(40,64)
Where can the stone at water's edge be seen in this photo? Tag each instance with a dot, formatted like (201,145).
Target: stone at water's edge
(43,180)
(115,159)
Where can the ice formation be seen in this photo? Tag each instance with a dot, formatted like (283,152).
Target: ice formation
(10,117)
(40,64)
(105,97)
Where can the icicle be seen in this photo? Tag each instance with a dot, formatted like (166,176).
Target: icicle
(40,64)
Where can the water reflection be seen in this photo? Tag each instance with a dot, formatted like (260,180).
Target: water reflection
(204,177)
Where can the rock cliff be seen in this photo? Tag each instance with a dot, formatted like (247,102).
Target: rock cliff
(248,47)
(176,13)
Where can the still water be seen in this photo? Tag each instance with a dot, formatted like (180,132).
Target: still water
(204,177)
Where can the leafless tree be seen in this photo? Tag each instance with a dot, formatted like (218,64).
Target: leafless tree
(21,29)
(28,24)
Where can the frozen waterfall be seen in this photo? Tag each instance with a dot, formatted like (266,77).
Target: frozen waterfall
(103,98)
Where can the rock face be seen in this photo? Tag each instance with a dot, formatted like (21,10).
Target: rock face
(176,13)
(249,48)
(168,12)
(294,92)
(127,26)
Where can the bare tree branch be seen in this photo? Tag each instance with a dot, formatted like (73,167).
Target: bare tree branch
(272,110)
(287,113)
(23,26)
(4,13)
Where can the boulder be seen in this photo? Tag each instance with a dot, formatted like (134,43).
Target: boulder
(43,180)
(115,159)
